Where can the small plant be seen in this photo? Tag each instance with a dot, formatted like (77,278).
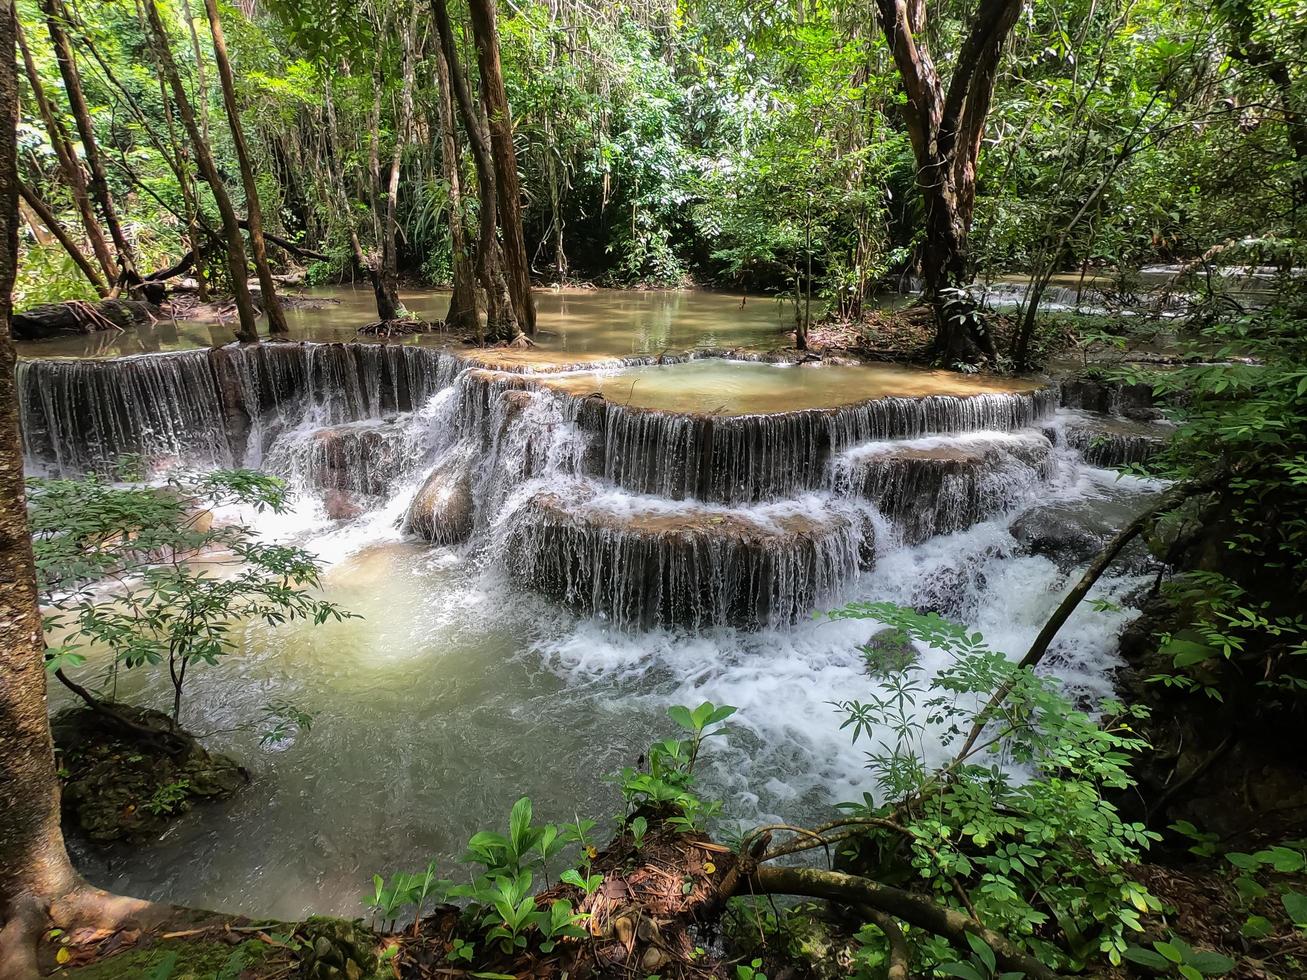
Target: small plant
(1175,957)
(588,885)
(461,951)
(639,827)
(750,971)
(167,799)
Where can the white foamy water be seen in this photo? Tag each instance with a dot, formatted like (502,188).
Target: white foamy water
(460,689)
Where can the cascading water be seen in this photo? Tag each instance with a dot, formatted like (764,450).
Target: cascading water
(685,579)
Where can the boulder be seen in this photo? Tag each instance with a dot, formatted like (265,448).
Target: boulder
(444,508)
(1072,533)
(888,651)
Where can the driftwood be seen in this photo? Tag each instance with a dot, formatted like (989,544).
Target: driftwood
(76,317)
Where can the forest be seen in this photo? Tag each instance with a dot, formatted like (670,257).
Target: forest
(700,489)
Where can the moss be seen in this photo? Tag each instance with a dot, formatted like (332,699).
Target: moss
(121,785)
(197,959)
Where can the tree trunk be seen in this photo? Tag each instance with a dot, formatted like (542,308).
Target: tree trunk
(56,17)
(945,128)
(247,329)
(69,166)
(52,223)
(501,317)
(464,308)
(386,296)
(508,192)
(389,271)
(33,862)
(253,212)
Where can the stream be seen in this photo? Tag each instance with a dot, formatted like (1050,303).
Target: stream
(537,654)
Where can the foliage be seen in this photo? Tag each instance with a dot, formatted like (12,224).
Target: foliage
(1016,824)
(150,576)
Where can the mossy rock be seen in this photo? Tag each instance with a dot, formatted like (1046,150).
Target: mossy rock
(126,785)
(336,950)
(820,949)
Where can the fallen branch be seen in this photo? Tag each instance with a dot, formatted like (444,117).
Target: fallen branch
(288,245)
(902,905)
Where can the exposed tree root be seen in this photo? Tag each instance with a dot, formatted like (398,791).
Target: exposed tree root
(399,327)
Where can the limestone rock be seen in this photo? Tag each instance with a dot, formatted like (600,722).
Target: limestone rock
(1071,534)
(443,510)
(1105,440)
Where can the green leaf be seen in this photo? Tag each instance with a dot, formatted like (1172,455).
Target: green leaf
(1146,957)
(1211,964)
(1256,927)
(963,971)
(982,950)
(1295,904)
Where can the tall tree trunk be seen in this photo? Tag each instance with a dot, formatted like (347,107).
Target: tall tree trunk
(253,211)
(501,317)
(33,862)
(338,179)
(69,166)
(66,240)
(56,19)
(247,329)
(385,293)
(508,191)
(464,309)
(389,271)
(945,127)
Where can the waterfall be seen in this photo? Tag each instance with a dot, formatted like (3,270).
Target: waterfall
(218,407)
(940,485)
(643,563)
(644,518)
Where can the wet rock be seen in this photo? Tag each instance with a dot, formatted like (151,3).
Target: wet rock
(942,485)
(443,510)
(644,562)
(1072,533)
(1134,401)
(889,651)
(121,784)
(1104,440)
(341,506)
(64,319)
(364,457)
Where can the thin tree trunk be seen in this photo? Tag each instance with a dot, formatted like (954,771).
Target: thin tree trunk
(69,167)
(33,862)
(56,17)
(253,211)
(338,179)
(501,317)
(390,216)
(247,330)
(61,233)
(464,308)
(508,191)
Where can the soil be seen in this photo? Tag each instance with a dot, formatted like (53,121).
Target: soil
(124,785)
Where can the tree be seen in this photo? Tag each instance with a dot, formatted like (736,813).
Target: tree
(945,127)
(56,19)
(502,322)
(247,329)
(253,211)
(509,194)
(464,307)
(70,167)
